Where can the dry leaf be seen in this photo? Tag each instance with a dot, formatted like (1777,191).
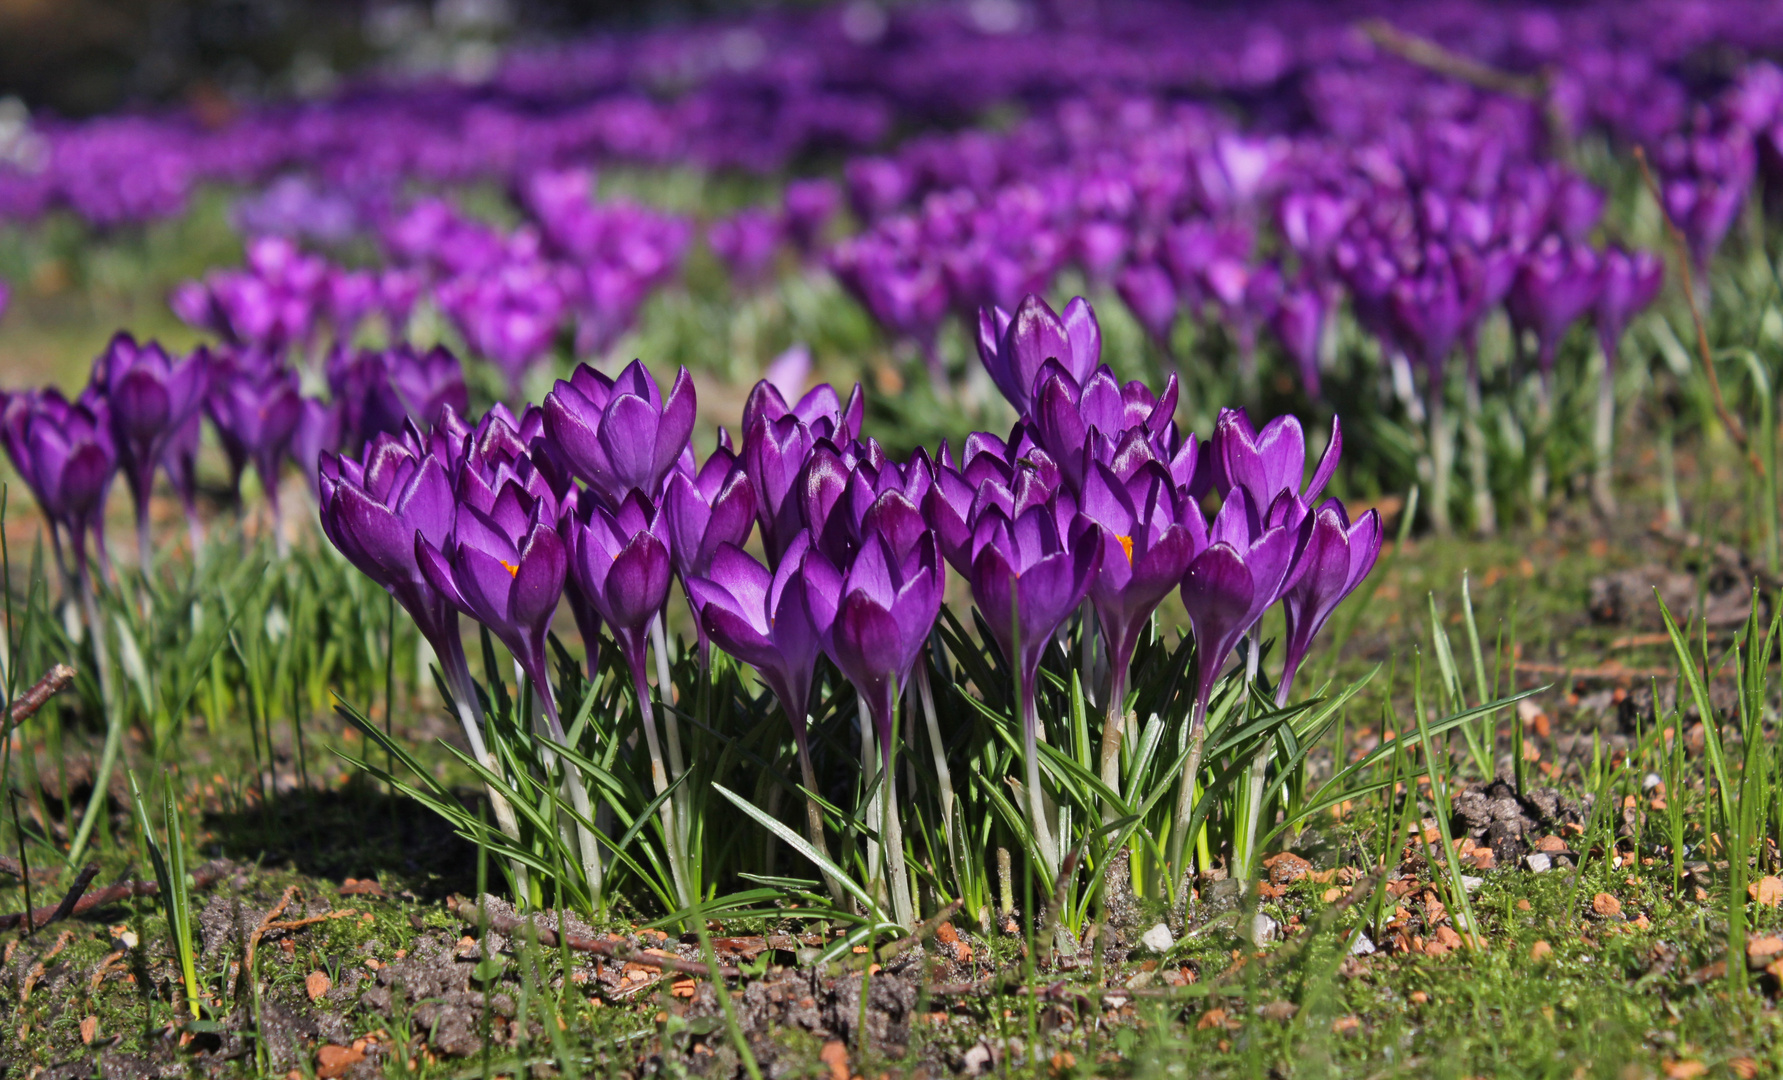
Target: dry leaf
(332,1060)
(835,1055)
(1768,890)
(89,1028)
(316,984)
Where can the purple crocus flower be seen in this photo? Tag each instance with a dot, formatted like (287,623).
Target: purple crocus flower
(1299,321)
(1338,555)
(1014,348)
(255,406)
(621,435)
(760,617)
(1557,284)
(1026,581)
(874,616)
(66,455)
(1144,553)
(1248,563)
(810,204)
(1271,462)
(620,561)
(503,565)
(374,512)
(150,397)
(745,243)
(1630,282)
(705,512)
(1150,295)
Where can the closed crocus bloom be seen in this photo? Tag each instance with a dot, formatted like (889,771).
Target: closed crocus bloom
(874,616)
(621,435)
(821,410)
(703,513)
(1337,556)
(1150,295)
(179,459)
(1299,322)
(255,406)
(621,564)
(503,566)
(150,397)
(373,512)
(66,455)
(1144,553)
(760,617)
(1270,462)
(1014,348)
(1630,283)
(1557,284)
(318,432)
(745,243)
(774,454)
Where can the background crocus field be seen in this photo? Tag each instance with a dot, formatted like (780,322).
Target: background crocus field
(949,538)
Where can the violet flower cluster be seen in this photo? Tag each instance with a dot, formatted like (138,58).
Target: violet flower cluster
(143,412)
(1093,502)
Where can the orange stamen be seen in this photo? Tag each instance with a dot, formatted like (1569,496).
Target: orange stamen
(1127,546)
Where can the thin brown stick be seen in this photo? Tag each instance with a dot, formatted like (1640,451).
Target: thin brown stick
(71,898)
(1734,428)
(204,877)
(267,923)
(52,683)
(1428,54)
(468,912)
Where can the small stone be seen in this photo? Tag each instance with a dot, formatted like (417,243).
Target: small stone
(1362,946)
(977,1059)
(1538,863)
(1550,844)
(315,984)
(1606,905)
(1157,939)
(1263,929)
(1471,884)
(88,1029)
(1540,951)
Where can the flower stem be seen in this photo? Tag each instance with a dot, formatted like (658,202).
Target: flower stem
(114,714)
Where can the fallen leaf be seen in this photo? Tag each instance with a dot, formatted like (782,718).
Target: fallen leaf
(89,1028)
(316,983)
(361,887)
(1606,905)
(1743,1067)
(1685,1070)
(946,934)
(1768,890)
(682,988)
(835,1055)
(1346,1025)
(1332,894)
(1212,1018)
(1541,950)
(1062,1061)
(332,1060)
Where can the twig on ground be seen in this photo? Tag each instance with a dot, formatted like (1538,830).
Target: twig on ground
(41,691)
(468,911)
(204,877)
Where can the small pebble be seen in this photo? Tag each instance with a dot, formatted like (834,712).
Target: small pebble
(1158,938)
(1539,862)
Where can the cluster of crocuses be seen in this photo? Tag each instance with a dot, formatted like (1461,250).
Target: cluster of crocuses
(142,413)
(758,92)
(1093,503)
(509,295)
